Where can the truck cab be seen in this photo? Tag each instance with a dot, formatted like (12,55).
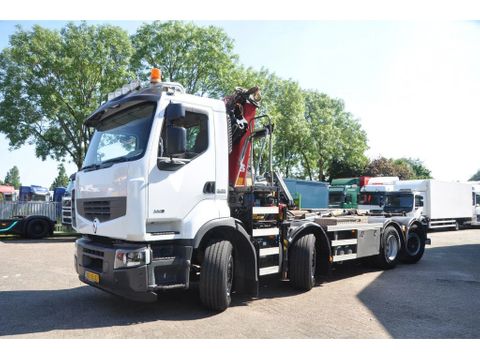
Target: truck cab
(34,193)
(475,204)
(343,192)
(7,193)
(405,202)
(373,194)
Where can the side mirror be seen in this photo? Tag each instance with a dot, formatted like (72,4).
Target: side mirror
(176,140)
(174,112)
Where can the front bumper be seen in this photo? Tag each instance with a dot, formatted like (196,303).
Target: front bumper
(169,268)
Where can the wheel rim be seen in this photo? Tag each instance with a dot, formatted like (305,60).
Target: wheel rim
(229,275)
(413,244)
(391,247)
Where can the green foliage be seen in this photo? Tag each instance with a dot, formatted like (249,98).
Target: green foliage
(476,176)
(336,137)
(50,81)
(418,168)
(62,179)
(13,177)
(199,58)
(405,169)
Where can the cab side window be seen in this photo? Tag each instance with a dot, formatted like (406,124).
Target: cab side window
(196,126)
(418,201)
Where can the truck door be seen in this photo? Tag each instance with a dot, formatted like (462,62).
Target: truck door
(175,191)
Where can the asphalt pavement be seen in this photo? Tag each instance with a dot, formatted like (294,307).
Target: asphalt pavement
(41,297)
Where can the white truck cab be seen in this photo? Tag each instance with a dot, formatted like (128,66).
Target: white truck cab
(475,204)
(372,195)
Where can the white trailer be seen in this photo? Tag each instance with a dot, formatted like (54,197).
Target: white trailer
(440,204)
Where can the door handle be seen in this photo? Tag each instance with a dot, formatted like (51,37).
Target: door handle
(209,187)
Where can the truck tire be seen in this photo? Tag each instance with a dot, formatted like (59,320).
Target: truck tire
(37,229)
(414,248)
(389,249)
(302,263)
(216,275)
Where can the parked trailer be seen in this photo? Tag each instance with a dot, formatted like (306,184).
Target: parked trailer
(31,219)
(158,210)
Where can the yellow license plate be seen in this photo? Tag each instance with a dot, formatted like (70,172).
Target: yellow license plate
(90,276)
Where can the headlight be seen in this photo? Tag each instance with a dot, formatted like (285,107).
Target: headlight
(130,258)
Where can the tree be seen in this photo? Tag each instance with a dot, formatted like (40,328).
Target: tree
(341,169)
(391,167)
(381,167)
(50,81)
(335,135)
(13,177)
(199,58)
(475,177)
(403,169)
(420,171)
(62,179)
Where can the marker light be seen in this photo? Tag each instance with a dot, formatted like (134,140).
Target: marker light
(155,75)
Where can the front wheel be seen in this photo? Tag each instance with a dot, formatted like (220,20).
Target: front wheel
(216,275)
(389,249)
(302,263)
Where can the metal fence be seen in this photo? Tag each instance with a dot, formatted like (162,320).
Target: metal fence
(9,209)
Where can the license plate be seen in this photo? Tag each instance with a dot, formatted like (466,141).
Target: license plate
(90,276)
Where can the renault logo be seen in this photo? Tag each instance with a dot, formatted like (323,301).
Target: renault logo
(95,225)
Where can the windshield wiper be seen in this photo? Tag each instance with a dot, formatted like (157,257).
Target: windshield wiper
(106,163)
(90,167)
(110,162)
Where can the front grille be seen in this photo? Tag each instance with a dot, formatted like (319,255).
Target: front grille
(93,252)
(97,209)
(103,209)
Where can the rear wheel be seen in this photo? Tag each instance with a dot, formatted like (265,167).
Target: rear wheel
(302,264)
(37,229)
(414,247)
(389,249)
(216,275)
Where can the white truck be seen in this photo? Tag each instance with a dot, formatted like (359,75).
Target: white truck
(372,195)
(439,204)
(475,204)
(166,196)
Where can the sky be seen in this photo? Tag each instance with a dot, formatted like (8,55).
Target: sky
(414,85)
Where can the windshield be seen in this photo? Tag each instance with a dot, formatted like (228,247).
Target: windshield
(121,137)
(372,198)
(68,190)
(336,198)
(398,202)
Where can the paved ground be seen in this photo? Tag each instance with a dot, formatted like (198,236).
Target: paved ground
(41,297)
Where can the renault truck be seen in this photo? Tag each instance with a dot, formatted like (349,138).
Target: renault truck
(168,196)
